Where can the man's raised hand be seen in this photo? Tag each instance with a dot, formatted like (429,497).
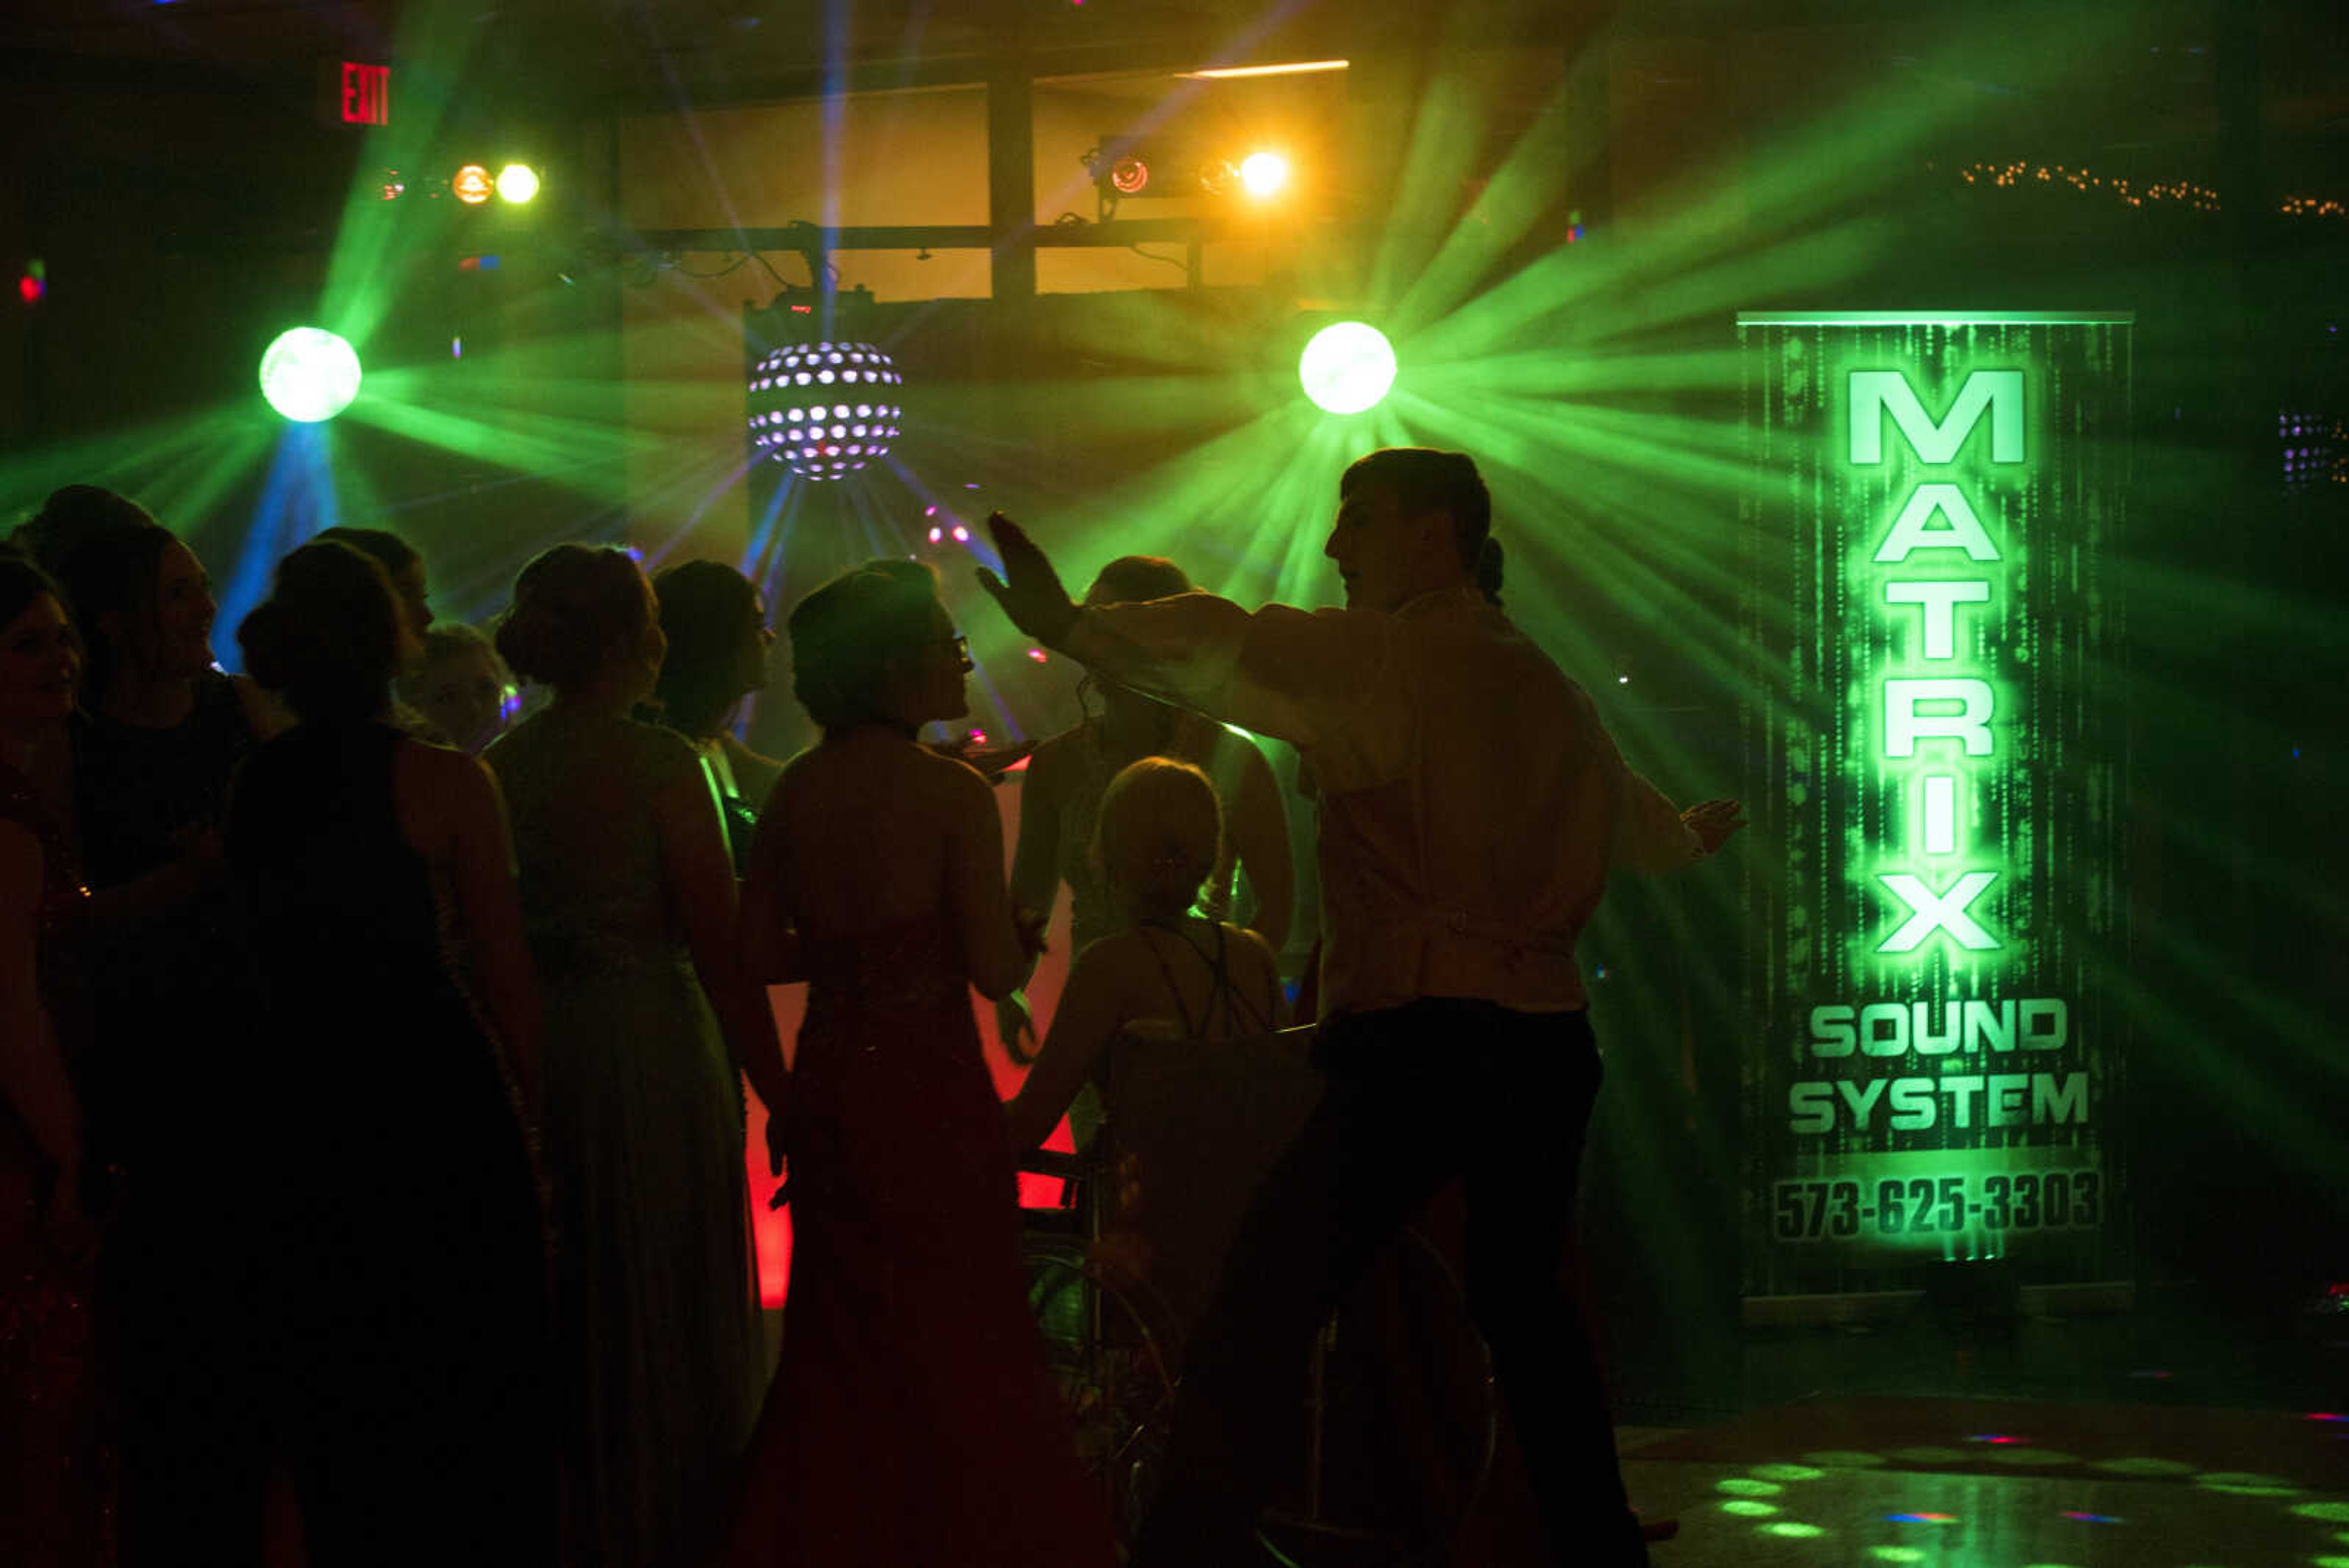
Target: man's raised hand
(1030,591)
(1714,821)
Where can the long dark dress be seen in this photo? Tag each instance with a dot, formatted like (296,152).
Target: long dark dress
(401,1254)
(166,1086)
(53,1460)
(912,1421)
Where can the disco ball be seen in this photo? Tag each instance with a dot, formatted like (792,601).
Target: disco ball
(826,409)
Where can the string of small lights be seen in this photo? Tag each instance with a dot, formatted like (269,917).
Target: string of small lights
(2023,173)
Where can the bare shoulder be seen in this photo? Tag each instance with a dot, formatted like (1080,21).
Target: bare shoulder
(1108,965)
(664,755)
(441,784)
(1252,944)
(433,762)
(952,779)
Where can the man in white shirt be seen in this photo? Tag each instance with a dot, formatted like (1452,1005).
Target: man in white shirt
(1471,805)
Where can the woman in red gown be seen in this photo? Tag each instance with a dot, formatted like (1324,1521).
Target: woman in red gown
(912,1421)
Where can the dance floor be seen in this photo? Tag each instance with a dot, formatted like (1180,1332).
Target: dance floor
(1997,1484)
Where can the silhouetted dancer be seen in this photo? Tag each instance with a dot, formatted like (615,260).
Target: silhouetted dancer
(1471,805)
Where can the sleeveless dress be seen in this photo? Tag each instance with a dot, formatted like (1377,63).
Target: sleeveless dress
(659,1349)
(1195,1108)
(401,1263)
(913,1423)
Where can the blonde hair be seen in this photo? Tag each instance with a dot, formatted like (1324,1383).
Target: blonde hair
(1158,835)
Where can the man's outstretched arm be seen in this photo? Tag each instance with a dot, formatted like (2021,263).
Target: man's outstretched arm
(1280,671)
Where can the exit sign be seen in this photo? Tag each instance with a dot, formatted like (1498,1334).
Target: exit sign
(365,94)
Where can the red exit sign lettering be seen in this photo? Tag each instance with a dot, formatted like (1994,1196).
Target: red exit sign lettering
(366,94)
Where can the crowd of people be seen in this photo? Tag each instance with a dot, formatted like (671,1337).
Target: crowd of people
(372,1149)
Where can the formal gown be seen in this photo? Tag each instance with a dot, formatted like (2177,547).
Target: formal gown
(401,1268)
(913,1422)
(55,1490)
(166,1090)
(660,1350)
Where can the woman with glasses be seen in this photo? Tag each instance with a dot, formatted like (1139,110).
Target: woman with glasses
(912,1421)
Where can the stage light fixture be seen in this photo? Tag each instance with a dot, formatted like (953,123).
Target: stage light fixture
(826,409)
(308,374)
(1130,175)
(517,182)
(1347,368)
(1264,174)
(471,184)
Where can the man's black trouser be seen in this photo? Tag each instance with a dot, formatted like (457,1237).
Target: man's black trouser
(1417,1095)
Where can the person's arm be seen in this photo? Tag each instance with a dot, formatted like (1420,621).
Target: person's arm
(978,904)
(264,714)
(1091,1012)
(1260,829)
(162,892)
(700,876)
(488,909)
(1035,884)
(1276,1002)
(1293,674)
(32,1068)
(767,937)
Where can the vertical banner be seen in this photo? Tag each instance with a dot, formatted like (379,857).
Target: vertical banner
(1934,766)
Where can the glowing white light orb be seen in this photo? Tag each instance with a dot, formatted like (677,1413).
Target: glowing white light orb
(1263,174)
(1347,368)
(517,182)
(785,423)
(308,374)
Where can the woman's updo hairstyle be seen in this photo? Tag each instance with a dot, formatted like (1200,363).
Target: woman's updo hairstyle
(328,636)
(707,609)
(1158,835)
(394,552)
(851,637)
(573,606)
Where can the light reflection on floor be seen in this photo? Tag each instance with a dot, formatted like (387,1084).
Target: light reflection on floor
(1829,1507)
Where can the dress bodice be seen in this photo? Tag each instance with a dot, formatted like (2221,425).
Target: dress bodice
(334,889)
(578,791)
(908,964)
(139,789)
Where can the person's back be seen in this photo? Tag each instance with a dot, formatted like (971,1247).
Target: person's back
(408,1348)
(1168,972)
(629,899)
(911,1420)
(867,817)
(340,897)
(1464,833)
(579,792)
